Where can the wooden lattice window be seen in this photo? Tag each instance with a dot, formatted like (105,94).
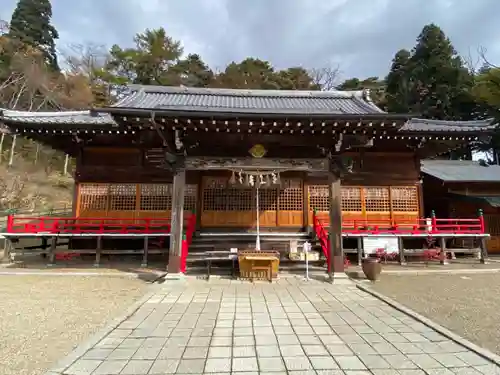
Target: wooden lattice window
(122,197)
(351,199)
(268,198)
(156,197)
(492,222)
(404,199)
(239,199)
(377,199)
(93,197)
(190,195)
(291,195)
(218,196)
(319,198)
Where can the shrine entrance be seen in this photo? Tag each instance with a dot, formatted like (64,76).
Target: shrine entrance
(226,204)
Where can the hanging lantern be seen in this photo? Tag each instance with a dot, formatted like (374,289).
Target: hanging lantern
(240,177)
(232,180)
(251,180)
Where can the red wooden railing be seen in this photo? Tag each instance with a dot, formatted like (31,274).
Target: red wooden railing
(76,225)
(322,236)
(429,227)
(186,240)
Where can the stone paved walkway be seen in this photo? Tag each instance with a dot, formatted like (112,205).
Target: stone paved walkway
(291,327)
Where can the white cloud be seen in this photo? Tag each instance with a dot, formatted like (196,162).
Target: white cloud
(362,35)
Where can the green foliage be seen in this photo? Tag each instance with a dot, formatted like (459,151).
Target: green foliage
(150,62)
(373,84)
(432,80)
(30,25)
(192,72)
(398,83)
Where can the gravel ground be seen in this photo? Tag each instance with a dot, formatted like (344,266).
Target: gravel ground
(43,318)
(467,305)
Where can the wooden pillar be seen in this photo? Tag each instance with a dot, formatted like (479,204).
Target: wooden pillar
(360,250)
(483,254)
(52,254)
(66,163)
(305,200)
(2,138)
(98,251)
(402,259)
(442,244)
(177,222)
(145,254)
(12,148)
(336,252)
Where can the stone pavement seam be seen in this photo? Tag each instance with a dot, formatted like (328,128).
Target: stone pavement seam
(431,324)
(88,344)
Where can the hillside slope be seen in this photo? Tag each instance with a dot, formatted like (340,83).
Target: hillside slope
(28,187)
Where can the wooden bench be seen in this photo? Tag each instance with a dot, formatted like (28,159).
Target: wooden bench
(220,256)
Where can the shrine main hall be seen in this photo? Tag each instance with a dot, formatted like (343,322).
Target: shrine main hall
(244,161)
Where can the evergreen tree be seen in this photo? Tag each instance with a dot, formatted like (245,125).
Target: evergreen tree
(193,72)
(30,24)
(439,83)
(398,82)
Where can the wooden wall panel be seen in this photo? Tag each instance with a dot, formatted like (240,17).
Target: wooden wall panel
(380,205)
(130,201)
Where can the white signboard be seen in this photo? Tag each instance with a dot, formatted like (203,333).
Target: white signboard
(371,244)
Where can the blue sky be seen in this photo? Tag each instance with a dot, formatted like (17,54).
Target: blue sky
(360,36)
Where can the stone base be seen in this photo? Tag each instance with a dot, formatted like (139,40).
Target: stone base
(174,264)
(174,276)
(340,278)
(338,264)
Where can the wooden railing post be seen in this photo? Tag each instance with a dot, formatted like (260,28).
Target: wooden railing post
(433,222)
(184,253)
(10,223)
(482,226)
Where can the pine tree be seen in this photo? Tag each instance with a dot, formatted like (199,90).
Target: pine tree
(398,83)
(30,24)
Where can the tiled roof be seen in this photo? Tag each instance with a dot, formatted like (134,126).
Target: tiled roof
(419,125)
(249,101)
(56,118)
(461,171)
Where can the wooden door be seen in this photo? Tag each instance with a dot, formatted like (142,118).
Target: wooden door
(291,203)
(225,205)
(268,206)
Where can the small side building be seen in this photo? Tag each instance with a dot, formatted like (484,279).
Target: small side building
(460,188)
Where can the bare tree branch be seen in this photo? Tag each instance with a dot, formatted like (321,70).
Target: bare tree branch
(482,51)
(327,78)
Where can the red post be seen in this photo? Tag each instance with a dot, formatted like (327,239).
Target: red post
(184,253)
(10,223)
(481,222)
(433,222)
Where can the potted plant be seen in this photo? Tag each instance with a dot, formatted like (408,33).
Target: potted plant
(372,265)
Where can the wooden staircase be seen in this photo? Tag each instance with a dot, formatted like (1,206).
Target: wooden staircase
(224,241)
